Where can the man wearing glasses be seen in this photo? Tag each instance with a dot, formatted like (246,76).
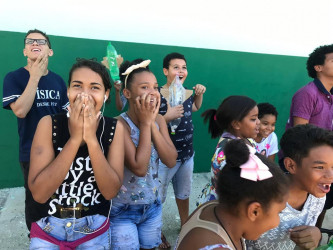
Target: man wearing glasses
(32,92)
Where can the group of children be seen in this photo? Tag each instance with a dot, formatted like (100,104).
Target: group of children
(81,160)
(104,180)
(307,159)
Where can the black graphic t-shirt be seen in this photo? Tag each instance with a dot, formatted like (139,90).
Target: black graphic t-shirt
(79,186)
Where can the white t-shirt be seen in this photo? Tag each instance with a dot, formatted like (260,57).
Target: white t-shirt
(278,238)
(268,146)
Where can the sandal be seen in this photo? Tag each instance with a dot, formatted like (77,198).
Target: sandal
(165,244)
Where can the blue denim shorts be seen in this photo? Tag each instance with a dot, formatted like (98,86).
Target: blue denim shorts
(136,226)
(62,229)
(181,177)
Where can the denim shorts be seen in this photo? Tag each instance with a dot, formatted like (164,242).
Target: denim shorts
(181,177)
(136,226)
(62,229)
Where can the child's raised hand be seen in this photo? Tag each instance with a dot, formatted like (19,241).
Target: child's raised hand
(90,119)
(105,62)
(306,237)
(120,60)
(76,118)
(157,106)
(117,85)
(199,89)
(175,112)
(38,67)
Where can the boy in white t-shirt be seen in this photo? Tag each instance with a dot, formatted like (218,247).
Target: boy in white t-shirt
(308,152)
(266,140)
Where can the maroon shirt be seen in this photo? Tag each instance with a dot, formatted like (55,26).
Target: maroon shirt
(313,103)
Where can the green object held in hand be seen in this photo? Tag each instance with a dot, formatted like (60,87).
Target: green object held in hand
(112,55)
(329,246)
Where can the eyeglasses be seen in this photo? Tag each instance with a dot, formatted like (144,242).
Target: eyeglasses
(38,41)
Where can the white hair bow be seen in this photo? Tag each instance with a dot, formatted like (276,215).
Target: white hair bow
(128,71)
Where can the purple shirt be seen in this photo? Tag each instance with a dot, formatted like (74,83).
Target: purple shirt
(313,103)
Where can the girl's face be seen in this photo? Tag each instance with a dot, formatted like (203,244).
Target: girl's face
(315,174)
(267,125)
(87,81)
(142,83)
(248,127)
(176,67)
(268,220)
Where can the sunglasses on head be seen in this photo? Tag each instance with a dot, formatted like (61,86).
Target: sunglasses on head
(38,41)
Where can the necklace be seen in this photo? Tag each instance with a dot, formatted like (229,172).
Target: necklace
(217,218)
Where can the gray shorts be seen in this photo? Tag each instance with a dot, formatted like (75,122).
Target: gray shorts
(181,177)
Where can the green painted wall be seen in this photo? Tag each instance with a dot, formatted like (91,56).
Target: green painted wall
(265,78)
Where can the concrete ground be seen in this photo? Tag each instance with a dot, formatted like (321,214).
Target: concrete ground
(13,232)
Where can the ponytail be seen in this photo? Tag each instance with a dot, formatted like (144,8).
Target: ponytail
(213,126)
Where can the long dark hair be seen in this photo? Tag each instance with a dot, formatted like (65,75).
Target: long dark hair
(232,108)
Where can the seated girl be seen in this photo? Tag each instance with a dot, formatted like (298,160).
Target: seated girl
(252,191)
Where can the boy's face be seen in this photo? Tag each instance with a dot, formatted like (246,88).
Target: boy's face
(315,174)
(176,66)
(267,125)
(32,51)
(327,68)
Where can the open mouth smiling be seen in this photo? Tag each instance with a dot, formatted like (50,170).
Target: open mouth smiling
(325,187)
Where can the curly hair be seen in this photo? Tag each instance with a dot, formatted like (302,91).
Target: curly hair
(266,108)
(297,141)
(317,57)
(169,57)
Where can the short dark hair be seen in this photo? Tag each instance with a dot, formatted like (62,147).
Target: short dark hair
(232,108)
(40,32)
(95,66)
(233,189)
(124,66)
(169,57)
(317,57)
(266,108)
(297,141)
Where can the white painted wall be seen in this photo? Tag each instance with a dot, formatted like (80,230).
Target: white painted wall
(287,27)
